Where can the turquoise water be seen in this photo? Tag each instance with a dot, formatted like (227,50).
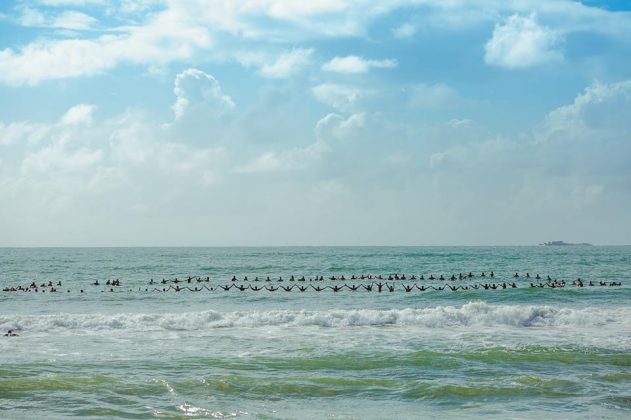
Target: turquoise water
(136,353)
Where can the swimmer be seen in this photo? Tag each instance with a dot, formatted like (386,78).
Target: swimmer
(335,288)
(368,287)
(492,274)
(516,275)
(431,277)
(408,289)
(538,277)
(483,275)
(287,288)
(452,278)
(317,288)
(353,287)
(390,288)
(255,288)
(10,333)
(302,288)
(441,277)
(271,288)
(234,278)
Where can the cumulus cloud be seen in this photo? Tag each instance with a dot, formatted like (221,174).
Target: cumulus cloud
(601,106)
(179,31)
(195,85)
(287,63)
(78,114)
(355,64)
(329,130)
(522,42)
(342,97)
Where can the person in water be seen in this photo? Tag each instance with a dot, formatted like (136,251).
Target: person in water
(10,333)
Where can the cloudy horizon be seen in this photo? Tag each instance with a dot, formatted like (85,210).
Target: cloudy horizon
(346,122)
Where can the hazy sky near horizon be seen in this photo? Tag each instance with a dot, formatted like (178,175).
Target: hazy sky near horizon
(322,122)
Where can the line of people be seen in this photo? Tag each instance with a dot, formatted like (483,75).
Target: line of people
(378,287)
(389,277)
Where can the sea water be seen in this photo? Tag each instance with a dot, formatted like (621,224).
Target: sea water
(138,352)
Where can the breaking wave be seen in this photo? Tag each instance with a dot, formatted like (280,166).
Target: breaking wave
(470,314)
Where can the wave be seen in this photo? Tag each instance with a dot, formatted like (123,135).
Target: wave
(470,314)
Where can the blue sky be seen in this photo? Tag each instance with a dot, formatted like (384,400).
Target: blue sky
(329,122)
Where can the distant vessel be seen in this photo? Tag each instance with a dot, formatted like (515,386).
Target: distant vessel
(561,243)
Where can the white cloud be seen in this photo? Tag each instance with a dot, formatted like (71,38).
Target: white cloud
(284,160)
(57,158)
(79,114)
(287,63)
(342,97)
(604,106)
(167,37)
(521,42)
(405,30)
(73,20)
(70,19)
(71,2)
(433,96)
(355,64)
(20,131)
(31,17)
(334,127)
(330,129)
(195,85)
(179,31)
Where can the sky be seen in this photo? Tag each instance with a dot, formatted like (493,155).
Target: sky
(321,122)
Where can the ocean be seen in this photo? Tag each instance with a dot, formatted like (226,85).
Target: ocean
(135,351)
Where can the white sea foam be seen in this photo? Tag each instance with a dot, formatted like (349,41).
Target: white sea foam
(473,314)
